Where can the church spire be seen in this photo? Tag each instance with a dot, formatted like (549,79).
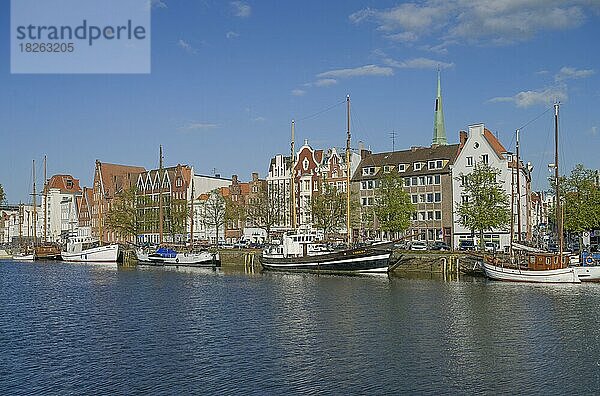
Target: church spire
(439,130)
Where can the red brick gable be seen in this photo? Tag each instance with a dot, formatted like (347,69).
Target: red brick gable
(65,183)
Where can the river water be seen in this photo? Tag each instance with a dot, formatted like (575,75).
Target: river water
(99,329)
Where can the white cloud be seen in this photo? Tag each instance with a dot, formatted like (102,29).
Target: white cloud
(476,21)
(241,9)
(545,96)
(417,63)
(186,46)
(567,73)
(298,92)
(325,82)
(191,126)
(594,131)
(158,4)
(368,70)
(231,35)
(259,119)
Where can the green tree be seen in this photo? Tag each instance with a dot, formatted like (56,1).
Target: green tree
(2,195)
(486,206)
(214,211)
(235,213)
(582,200)
(329,209)
(393,209)
(123,216)
(263,212)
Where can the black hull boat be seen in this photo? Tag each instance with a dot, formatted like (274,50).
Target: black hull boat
(372,259)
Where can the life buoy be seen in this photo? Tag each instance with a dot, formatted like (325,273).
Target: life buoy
(177,260)
(589,260)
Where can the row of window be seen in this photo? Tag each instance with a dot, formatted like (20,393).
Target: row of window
(426,198)
(429,180)
(427,215)
(417,166)
(484,159)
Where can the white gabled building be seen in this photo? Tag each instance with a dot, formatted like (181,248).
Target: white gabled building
(480,145)
(60,201)
(278,190)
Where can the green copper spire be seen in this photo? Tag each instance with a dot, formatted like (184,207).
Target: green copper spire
(439,131)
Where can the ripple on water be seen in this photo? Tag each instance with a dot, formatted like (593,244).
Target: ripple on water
(69,328)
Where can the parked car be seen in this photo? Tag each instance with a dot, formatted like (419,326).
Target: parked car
(439,245)
(418,245)
(466,244)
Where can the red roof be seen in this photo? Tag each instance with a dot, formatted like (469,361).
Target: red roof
(494,142)
(65,183)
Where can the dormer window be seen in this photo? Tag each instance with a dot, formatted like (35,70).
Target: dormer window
(417,166)
(402,168)
(388,168)
(367,171)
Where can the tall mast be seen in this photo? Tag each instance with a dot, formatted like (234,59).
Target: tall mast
(45,203)
(512,211)
(160,198)
(348,230)
(34,208)
(518,191)
(292,183)
(100,201)
(192,212)
(559,220)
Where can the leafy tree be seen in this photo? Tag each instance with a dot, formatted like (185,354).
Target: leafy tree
(392,209)
(329,209)
(486,206)
(214,211)
(580,198)
(2,195)
(176,216)
(235,213)
(263,211)
(123,216)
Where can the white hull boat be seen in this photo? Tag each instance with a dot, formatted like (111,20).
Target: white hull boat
(588,273)
(169,257)
(99,254)
(561,275)
(24,257)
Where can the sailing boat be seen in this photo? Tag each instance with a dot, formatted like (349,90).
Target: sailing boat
(29,253)
(299,251)
(90,249)
(172,255)
(538,267)
(46,250)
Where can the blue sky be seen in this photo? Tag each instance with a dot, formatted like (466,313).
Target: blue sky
(227,78)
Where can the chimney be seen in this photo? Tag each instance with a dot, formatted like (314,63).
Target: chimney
(463,138)
(254,176)
(234,179)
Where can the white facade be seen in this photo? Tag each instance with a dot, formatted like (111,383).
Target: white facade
(482,146)
(62,219)
(22,224)
(278,187)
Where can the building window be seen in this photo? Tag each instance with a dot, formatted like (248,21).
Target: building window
(429,180)
(402,168)
(422,198)
(437,179)
(407,181)
(463,180)
(415,198)
(465,198)
(305,164)
(430,197)
(178,182)
(363,185)
(438,197)
(414,181)
(417,166)
(431,165)
(438,215)
(469,161)
(430,215)
(368,171)
(388,168)
(485,159)
(421,180)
